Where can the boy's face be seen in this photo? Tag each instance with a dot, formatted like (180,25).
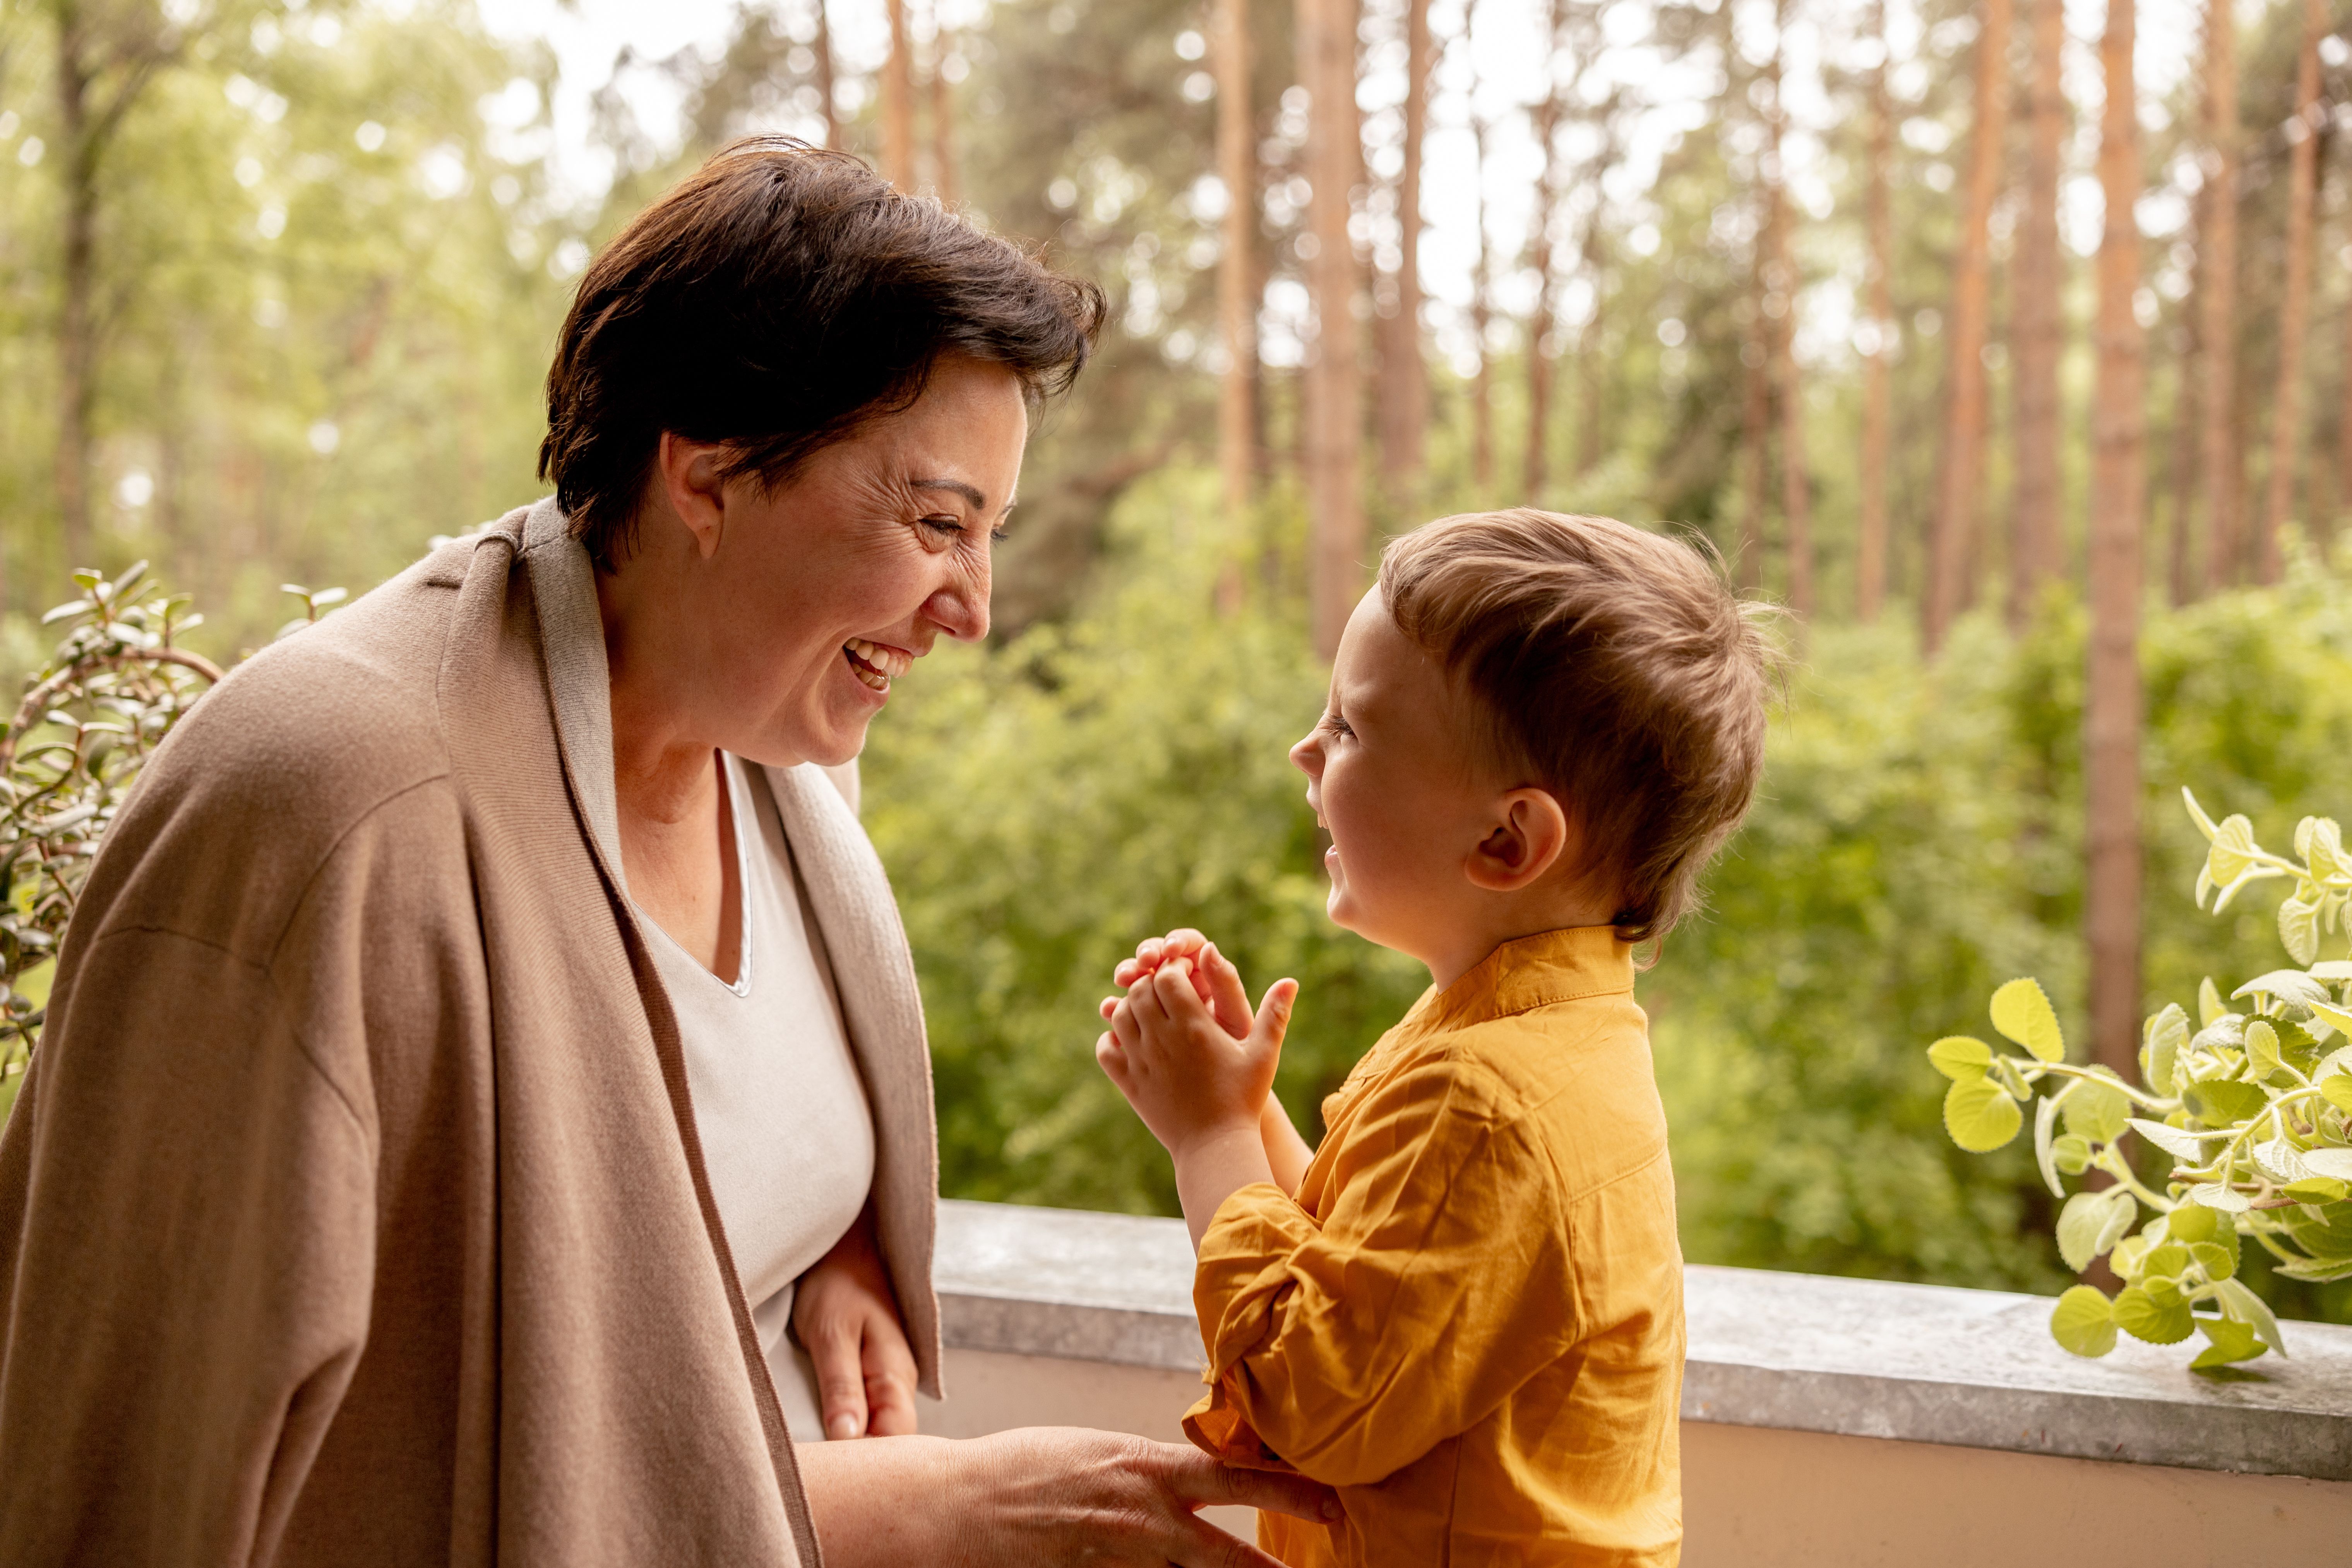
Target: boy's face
(1393,773)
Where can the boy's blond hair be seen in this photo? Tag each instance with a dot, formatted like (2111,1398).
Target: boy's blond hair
(1615,668)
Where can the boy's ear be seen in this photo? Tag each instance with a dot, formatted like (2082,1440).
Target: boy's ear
(1528,839)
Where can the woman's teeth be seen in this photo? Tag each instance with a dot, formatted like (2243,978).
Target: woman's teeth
(875,664)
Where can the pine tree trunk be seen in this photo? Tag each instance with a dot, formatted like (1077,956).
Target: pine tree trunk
(2217,288)
(822,46)
(1878,392)
(1780,282)
(1952,544)
(2294,310)
(948,188)
(1334,392)
(1535,471)
(898,103)
(1404,378)
(2184,578)
(1482,319)
(1755,424)
(2036,552)
(76,317)
(2112,708)
(1236,304)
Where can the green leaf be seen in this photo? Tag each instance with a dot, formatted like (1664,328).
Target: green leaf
(2261,1050)
(1961,1056)
(2280,1160)
(2209,1003)
(2021,1011)
(2335,1163)
(2216,1196)
(2143,1316)
(2319,1271)
(2081,1229)
(2160,1056)
(2231,1341)
(2223,1102)
(2045,1117)
(2218,1262)
(2071,1154)
(2096,1111)
(2170,1261)
(2084,1321)
(2191,1223)
(2336,1090)
(2246,1307)
(2005,1072)
(1981,1116)
(2286,985)
(2123,1210)
(2176,1141)
(2318,1190)
(2298,929)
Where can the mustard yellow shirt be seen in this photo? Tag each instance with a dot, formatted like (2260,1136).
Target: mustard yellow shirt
(1470,1320)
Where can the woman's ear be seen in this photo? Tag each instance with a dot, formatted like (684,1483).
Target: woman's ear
(686,474)
(1529,840)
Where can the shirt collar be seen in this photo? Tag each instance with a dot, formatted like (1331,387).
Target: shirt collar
(1533,972)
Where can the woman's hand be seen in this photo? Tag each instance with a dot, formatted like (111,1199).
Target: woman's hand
(846,1314)
(1039,1495)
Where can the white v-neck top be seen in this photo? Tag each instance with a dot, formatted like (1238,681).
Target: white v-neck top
(787,1134)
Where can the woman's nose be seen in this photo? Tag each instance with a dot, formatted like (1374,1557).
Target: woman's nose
(961,611)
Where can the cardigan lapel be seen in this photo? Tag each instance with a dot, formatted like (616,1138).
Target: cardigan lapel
(874,974)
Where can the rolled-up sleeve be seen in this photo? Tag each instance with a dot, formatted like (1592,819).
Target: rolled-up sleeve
(1438,1282)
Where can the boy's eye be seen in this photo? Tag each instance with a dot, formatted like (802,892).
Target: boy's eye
(1336,725)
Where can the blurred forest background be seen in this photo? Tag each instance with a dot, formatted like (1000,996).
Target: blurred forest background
(2007,348)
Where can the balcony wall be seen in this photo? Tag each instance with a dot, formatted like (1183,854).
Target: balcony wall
(1825,1422)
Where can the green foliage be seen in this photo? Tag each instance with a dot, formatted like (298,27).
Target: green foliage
(2253,1109)
(86,724)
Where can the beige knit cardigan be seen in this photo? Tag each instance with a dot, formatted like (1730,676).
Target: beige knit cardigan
(352,1210)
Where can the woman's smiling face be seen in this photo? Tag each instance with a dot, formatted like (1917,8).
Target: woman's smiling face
(793,609)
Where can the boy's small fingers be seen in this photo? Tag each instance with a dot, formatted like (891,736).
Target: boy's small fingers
(1109,1056)
(1111,1005)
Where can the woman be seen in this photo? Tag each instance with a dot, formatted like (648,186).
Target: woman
(487,1031)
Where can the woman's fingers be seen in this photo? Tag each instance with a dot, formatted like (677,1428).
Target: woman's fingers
(840,1377)
(890,1379)
(1198,1479)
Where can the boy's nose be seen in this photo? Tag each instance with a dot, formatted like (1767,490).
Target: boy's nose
(1307,757)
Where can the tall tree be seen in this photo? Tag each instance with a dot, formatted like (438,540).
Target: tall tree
(943,159)
(2036,549)
(1482,321)
(821,45)
(2217,292)
(1780,282)
(106,57)
(1592,264)
(1334,386)
(1536,470)
(898,102)
(2185,578)
(2294,310)
(1754,421)
(2113,699)
(1404,378)
(1951,544)
(1236,303)
(1877,387)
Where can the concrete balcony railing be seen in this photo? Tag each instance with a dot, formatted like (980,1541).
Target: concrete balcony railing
(1826,1422)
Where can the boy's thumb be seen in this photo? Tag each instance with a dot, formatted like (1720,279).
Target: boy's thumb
(1274,1013)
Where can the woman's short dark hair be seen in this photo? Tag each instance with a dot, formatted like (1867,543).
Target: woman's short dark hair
(770,303)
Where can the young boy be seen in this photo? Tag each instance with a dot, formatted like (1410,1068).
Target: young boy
(1464,1310)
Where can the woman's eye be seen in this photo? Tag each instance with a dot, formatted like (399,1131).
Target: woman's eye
(945,525)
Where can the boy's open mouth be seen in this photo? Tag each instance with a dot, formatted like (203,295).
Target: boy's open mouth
(875,664)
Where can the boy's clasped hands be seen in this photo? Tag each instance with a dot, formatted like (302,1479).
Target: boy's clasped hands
(1188,1052)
